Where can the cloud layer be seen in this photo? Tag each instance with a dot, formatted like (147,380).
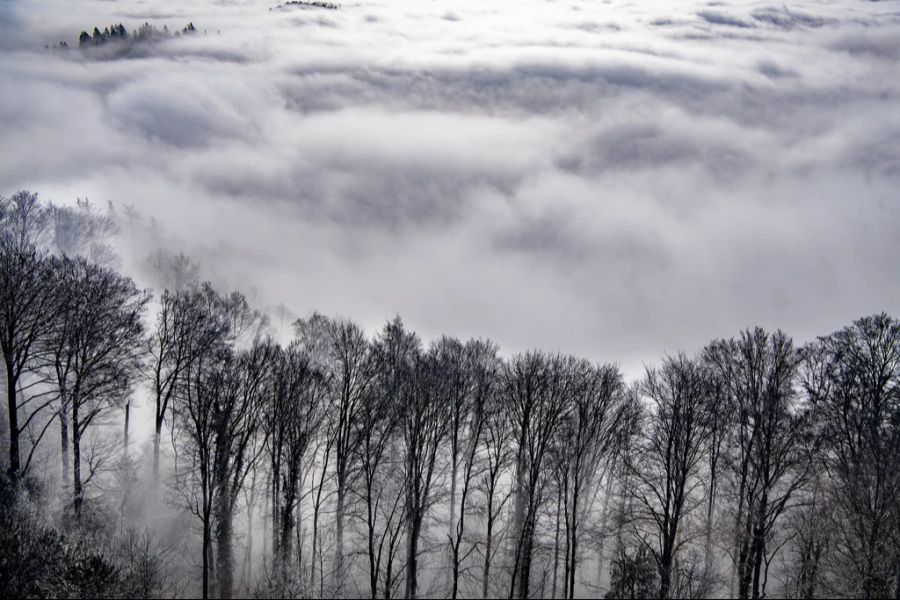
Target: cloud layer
(617,179)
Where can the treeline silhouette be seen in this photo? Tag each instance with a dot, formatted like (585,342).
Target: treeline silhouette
(118,33)
(342,464)
(309,4)
(121,40)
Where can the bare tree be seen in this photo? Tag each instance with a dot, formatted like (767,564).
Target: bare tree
(425,427)
(667,460)
(769,433)
(292,417)
(98,336)
(587,438)
(455,384)
(83,230)
(237,415)
(482,366)
(381,491)
(852,378)
(203,382)
(179,319)
(534,391)
(497,451)
(352,375)
(26,305)
(314,336)
(174,271)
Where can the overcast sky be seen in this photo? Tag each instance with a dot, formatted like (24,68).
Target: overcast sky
(616,179)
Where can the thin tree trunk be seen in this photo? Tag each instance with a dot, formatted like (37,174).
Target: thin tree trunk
(525,563)
(339,538)
(127,418)
(452,524)
(573,560)
(64,444)
(556,543)
(157,436)
(487,553)
(315,547)
(205,574)
(12,410)
(248,557)
(76,462)
(759,544)
(412,551)
(572,540)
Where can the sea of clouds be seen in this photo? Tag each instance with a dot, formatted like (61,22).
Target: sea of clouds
(613,178)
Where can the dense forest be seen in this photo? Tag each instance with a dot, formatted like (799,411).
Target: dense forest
(350,464)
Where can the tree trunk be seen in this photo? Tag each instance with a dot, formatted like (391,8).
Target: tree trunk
(518,525)
(76,462)
(525,562)
(745,573)
(315,548)
(458,542)
(556,543)
(285,544)
(665,574)
(157,435)
(339,538)
(487,553)
(572,559)
(206,540)
(224,561)
(665,567)
(370,525)
(248,559)
(224,518)
(12,410)
(127,418)
(452,525)
(412,550)
(63,414)
(285,548)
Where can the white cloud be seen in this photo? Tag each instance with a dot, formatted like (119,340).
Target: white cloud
(615,179)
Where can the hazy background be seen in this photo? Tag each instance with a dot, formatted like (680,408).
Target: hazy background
(608,178)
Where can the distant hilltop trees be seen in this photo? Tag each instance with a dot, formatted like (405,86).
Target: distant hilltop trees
(117,36)
(312,4)
(116,33)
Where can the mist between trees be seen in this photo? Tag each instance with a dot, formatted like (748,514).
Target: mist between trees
(347,465)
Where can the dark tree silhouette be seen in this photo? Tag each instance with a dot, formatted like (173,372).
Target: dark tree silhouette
(425,428)
(96,342)
(667,459)
(587,440)
(769,441)
(27,306)
(534,389)
(853,380)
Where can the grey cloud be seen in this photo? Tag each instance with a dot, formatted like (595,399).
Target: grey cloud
(618,180)
(718,18)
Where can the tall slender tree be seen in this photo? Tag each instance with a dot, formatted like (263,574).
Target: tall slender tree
(535,390)
(588,436)
(853,380)
(425,428)
(27,304)
(666,462)
(98,337)
(352,375)
(770,459)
